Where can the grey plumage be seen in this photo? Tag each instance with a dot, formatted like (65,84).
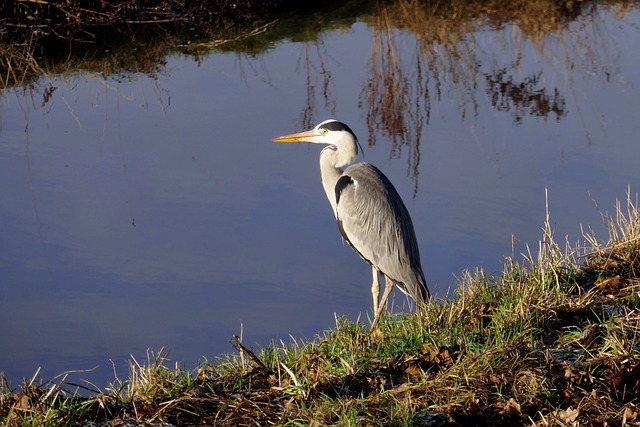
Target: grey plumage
(374,220)
(370,213)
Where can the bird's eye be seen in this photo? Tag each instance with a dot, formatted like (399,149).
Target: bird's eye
(325,131)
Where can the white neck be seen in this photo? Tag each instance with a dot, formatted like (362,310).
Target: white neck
(332,158)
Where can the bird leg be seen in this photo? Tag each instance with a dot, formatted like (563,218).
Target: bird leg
(388,287)
(375,289)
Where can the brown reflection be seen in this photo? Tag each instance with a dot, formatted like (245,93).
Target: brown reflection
(401,87)
(21,64)
(402,84)
(395,96)
(18,65)
(524,98)
(318,79)
(122,48)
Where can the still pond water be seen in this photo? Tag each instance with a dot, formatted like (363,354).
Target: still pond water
(143,212)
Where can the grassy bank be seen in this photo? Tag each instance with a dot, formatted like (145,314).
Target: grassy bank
(552,340)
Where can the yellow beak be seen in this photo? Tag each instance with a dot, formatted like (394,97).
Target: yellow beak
(299,137)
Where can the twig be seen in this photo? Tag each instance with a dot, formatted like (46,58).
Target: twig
(238,345)
(218,42)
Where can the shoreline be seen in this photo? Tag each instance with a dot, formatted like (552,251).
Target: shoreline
(552,340)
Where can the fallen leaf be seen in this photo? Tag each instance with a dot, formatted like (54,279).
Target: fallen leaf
(569,371)
(412,369)
(511,408)
(474,407)
(610,285)
(630,414)
(568,415)
(496,378)
(444,357)
(589,335)
(21,402)
(400,389)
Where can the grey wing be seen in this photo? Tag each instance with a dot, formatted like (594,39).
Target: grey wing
(376,223)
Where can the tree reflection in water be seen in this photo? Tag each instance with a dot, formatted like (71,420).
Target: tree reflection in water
(420,49)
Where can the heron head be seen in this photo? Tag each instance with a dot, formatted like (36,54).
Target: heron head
(330,132)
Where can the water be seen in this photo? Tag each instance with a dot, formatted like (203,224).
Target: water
(143,212)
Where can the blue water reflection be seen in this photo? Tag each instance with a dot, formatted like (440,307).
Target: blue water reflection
(154,211)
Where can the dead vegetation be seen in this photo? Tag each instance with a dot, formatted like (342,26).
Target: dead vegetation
(113,37)
(58,14)
(550,341)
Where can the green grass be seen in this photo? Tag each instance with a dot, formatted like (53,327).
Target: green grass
(552,340)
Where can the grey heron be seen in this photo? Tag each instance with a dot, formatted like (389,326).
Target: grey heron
(371,215)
